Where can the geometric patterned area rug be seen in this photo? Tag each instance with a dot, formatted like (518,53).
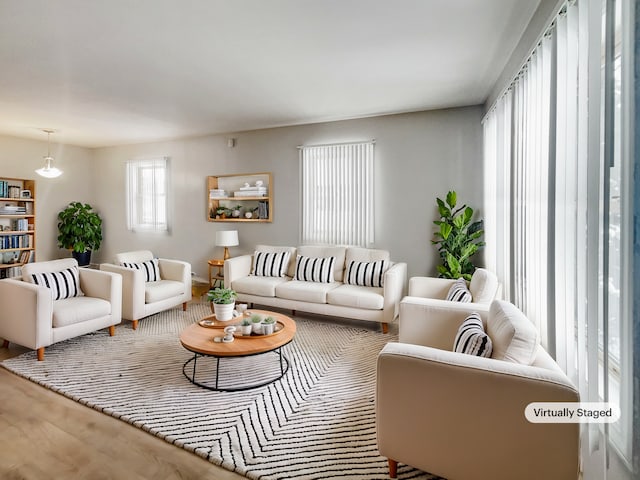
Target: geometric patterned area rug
(317,422)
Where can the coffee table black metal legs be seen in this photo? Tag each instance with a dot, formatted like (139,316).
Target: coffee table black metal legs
(190,373)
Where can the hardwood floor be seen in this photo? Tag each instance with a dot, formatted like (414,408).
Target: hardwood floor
(45,435)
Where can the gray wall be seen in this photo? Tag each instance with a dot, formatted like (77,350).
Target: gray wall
(418,156)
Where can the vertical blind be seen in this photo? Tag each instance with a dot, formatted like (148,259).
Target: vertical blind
(337,194)
(147,195)
(549,217)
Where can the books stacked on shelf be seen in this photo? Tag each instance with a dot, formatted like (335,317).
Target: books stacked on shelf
(263,210)
(13,209)
(217,193)
(8,242)
(20,225)
(11,272)
(257,191)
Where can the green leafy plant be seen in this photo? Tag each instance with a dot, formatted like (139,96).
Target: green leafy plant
(245,322)
(269,320)
(222,296)
(458,238)
(79,228)
(255,318)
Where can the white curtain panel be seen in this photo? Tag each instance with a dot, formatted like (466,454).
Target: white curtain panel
(337,194)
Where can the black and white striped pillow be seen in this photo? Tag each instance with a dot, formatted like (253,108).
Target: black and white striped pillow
(459,292)
(366,274)
(63,284)
(270,264)
(150,268)
(472,339)
(314,269)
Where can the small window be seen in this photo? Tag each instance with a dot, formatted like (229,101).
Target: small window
(147,195)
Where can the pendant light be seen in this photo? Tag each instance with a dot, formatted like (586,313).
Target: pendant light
(49,171)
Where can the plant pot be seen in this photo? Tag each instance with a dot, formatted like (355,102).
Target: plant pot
(246,329)
(267,328)
(83,258)
(224,311)
(257,328)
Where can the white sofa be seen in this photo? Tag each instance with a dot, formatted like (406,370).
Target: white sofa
(376,304)
(30,316)
(141,298)
(462,416)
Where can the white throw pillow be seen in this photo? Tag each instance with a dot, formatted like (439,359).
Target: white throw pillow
(314,269)
(366,274)
(63,284)
(150,268)
(459,292)
(515,338)
(472,339)
(270,264)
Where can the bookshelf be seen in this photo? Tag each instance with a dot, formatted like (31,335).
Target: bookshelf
(244,197)
(17,225)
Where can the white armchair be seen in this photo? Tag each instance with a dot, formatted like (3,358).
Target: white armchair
(30,316)
(461,416)
(169,286)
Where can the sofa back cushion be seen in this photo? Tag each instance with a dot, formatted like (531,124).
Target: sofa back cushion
(360,254)
(291,267)
(483,286)
(138,256)
(325,251)
(514,337)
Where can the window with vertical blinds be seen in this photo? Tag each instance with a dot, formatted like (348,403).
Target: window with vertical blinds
(337,194)
(147,195)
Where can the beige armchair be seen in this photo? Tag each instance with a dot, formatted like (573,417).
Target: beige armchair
(460,416)
(31,315)
(168,285)
(484,287)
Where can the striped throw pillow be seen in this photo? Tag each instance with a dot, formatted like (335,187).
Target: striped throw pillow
(270,264)
(314,269)
(63,284)
(459,292)
(366,274)
(472,339)
(150,268)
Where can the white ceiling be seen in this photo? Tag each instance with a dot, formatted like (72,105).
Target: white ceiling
(108,72)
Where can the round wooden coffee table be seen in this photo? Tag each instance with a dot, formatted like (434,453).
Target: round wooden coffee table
(200,341)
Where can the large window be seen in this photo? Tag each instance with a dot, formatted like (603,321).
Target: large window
(147,195)
(337,194)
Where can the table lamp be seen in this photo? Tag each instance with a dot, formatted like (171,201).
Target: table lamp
(226,239)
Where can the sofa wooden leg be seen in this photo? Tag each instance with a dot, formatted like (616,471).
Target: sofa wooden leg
(135,324)
(385,327)
(393,468)
(293,312)
(112,330)
(5,344)
(40,352)
(184,306)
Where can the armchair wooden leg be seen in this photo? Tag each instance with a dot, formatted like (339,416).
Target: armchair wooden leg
(393,468)
(184,306)
(5,344)
(385,327)
(40,354)
(135,324)
(112,330)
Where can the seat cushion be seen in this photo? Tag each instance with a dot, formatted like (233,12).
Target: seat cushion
(369,298)
(79,309)
(161,290)
(260,286)
(313,292)
(515,338)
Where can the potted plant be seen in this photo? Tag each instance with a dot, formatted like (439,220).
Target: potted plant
(223,301)
(268,325)
(79,230)
(256,321)
(246,326)
(458,238)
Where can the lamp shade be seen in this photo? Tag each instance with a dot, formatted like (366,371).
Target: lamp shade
(227,238)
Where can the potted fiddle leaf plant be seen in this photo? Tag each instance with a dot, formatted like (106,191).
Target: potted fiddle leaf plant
(79,230)
(458,238)
(223,301)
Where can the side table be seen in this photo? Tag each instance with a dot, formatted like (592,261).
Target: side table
(216,279)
